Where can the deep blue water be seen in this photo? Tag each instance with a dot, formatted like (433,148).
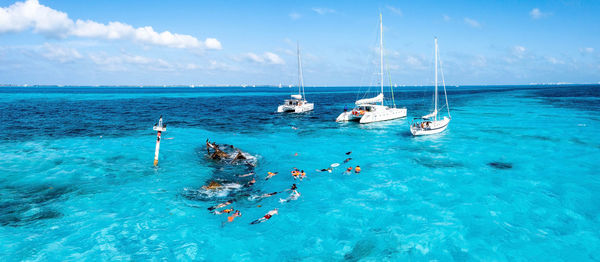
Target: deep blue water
(513,178)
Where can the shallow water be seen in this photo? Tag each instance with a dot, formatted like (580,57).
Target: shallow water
(513,178)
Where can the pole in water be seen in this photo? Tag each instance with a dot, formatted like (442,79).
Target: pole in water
(160,127)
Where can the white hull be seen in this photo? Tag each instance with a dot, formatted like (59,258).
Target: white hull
(434,127)
(382,113)
(296,108)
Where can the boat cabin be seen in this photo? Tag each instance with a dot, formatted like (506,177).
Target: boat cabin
(293,102)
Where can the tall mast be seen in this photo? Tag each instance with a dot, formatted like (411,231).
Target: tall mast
(436,78)
(300,78)
(381,52)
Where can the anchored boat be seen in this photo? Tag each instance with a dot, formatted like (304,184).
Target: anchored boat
(298,103)
(431,123)
(369,110)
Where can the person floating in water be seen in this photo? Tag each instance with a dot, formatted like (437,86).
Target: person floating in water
(347,160)
(221,205)
(357,169)
(271,174)
(348,153)
(293,196)
(232,217)
(245,175)
(294,187)
(348,170)
(266,217)
(302,174)
(325,169)
(224,211)
(258,197)
(251,182)
(295,173)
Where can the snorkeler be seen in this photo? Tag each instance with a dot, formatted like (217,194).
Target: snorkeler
(232,217)
(251,182)
(293,196)
(245,175)
(266,217)
(295,173)
(258,197)
(302,174)
(348,170)
(347,159)
(348,153)
(271,174)
(224,211)
(221,205)
(357,169)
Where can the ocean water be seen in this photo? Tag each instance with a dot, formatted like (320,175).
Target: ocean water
(515,176)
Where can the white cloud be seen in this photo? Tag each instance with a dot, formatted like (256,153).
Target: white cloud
(295,16)
(266,58)
(394,10)
(446,18)
(472,23)
(415,62)
(586,50)
(124,62)
(554,60)
(518,51)
(536,13)
(59,53)
(274,58)
(30,14)
(323,11)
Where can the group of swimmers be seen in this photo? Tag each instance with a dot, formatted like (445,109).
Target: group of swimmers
(297,174)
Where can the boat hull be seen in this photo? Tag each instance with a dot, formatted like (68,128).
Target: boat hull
(295,108)
(434,127)
(381,114)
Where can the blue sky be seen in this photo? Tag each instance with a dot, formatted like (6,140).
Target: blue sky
(254,42)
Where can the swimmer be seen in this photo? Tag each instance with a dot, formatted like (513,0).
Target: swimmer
(348,170)
(302,174)
(251,182)
(266,217)
(245,175)
(347,160)
(221,205)
(295,173)
(357,169)
(226,211)
(232,217)
(268,195)
(348,153)
(271,174)
(293,196)
(259,197)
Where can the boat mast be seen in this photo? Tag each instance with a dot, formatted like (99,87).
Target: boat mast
(300,78)
(436,79)
(381,52)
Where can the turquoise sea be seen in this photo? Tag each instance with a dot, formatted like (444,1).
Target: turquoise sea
(514,178)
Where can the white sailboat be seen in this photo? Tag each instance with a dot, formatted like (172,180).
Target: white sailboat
(298,103)
(368,110)
(431,123)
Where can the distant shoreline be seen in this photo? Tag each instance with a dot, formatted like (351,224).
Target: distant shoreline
(277,87)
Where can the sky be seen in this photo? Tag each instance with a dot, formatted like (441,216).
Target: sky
(50,42)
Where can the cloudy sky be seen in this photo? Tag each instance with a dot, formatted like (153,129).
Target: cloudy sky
(254,42)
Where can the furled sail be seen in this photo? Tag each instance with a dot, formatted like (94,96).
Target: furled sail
(430,115)
(374,100)
(297,96)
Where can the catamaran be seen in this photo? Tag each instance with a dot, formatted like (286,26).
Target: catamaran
(298,103)
(368,110)
(431,123)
